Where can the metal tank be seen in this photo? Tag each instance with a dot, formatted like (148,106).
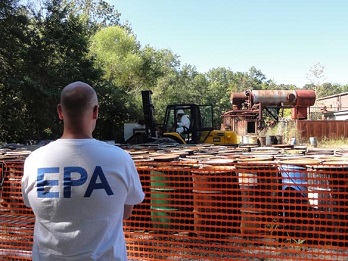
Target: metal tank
(305,98)
(300,98)
(273,97)
(238,98)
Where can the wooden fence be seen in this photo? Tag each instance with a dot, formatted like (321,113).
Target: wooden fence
(321,129)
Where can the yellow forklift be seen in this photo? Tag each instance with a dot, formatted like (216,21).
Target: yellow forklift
(199,131)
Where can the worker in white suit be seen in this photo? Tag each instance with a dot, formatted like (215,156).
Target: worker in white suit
(183,121)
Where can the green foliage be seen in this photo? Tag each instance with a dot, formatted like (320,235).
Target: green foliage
(327,89)
(116,54)
(116,108)
(98,14)
(13,35)
(51,52)
(220,84)
(57,55)
(46,48)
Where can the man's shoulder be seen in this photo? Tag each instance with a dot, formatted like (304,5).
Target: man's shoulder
(113,148)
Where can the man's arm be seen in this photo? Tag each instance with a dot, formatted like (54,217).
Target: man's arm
(127,211)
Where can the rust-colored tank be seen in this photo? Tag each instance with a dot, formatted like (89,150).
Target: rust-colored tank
(305,98)
(292,98)
(238,98)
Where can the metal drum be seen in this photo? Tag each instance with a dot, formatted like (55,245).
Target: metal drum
(262,141)
(259,184)
(295,181)
(271,140)
(216,201)
(330,179)
(296,206)
(141,214)
(171,197)
(279,139)
(295,177)
(11,186)
(320,193)
(328,187)
(313,141)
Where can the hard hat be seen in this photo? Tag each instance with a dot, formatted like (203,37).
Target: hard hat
(180,112)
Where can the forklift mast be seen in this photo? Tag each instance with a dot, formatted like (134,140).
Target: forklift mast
(148,110)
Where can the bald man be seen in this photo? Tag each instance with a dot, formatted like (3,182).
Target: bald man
(79,188)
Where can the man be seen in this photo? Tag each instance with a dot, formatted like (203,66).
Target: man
(183,122)
(79,188)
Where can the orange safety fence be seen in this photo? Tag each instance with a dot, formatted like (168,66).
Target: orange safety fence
(16,220)
(251,210)
(245,211)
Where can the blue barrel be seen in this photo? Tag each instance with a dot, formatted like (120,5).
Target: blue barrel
(294,184)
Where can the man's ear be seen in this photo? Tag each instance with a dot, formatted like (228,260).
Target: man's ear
(60,112)
(95,111)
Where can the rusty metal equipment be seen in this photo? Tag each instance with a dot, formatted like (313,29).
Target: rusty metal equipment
(248,108)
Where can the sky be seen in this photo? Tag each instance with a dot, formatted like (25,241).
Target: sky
(283,39)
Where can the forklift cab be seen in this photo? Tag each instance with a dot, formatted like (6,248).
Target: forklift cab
(200,116)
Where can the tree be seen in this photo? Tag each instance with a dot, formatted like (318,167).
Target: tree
(221,82)
(13,34)
(44,47)
(257,77)
(157,64)
(96,13)
(160,72)
(52,51)
(116,53)
(241,82)
(316,74)
(328,89)
(344,88)
(316,77)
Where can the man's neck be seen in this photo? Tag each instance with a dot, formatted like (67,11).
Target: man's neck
(76,135)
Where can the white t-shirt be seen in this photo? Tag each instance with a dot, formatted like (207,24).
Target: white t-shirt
(77,190)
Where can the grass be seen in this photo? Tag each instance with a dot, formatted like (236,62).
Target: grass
(333,143)
(326,143)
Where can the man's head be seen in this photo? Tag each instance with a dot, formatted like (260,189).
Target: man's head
(180,113)
(77,98)
(78,106)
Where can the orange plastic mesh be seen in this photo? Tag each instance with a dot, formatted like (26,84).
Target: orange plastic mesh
(16,220)
(245,211)
(248,211)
